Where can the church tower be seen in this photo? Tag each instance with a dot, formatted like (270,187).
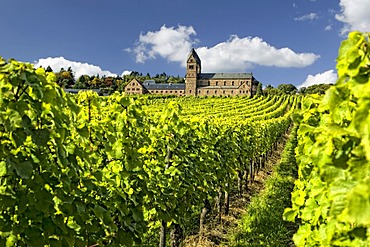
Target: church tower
(193,69)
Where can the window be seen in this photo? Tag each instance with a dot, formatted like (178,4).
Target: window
(232,83)
(216,83)
(137,89)
(128,89)
(207,92)
(224,83)
(191,66)
(215,91)
(224,92)
(189,91)
(232,92)
(171,91)
(208,83)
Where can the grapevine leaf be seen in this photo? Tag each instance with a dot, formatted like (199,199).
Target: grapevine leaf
(3,169)
(290,214)
(359,205)
(40,137)
(23,169)
(99,211)
(19,137)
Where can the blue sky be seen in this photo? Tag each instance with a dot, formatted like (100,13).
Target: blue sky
(290,41)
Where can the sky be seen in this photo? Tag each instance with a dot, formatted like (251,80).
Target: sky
(287,41)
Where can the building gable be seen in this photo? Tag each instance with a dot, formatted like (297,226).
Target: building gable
(135,87)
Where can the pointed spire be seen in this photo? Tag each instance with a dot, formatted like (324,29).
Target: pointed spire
(194,54)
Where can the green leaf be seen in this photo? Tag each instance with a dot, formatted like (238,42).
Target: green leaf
(40,137)
(172,170)
(26,121)
(19,137)
(24,169)
(99,211)
(11,241)
(290,214)
(3,169)
(125,237)
(359,205)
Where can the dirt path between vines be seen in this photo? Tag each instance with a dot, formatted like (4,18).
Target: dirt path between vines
(217,234)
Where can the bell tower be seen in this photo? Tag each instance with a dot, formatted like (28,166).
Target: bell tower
(193,69)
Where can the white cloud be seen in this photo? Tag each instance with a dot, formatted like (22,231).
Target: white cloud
(126,72)
(355,14)
(329,27)
(56,63)
(238,54)
(170,43)
(327,77)
(235,54)
(308,17)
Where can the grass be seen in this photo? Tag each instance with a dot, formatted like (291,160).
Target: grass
(263,224)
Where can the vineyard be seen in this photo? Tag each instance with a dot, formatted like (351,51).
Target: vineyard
(331,196)
(84,170)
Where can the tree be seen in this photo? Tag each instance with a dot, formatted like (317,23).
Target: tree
(95,82)
(82,82)
(49,69)
(259,89)
(315,89)
(287,88)
(65,78)
(270,90)
(302,90)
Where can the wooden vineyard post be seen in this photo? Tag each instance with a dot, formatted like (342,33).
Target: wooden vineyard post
(206,209)
(163,233)
(176,235)
(227,199)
